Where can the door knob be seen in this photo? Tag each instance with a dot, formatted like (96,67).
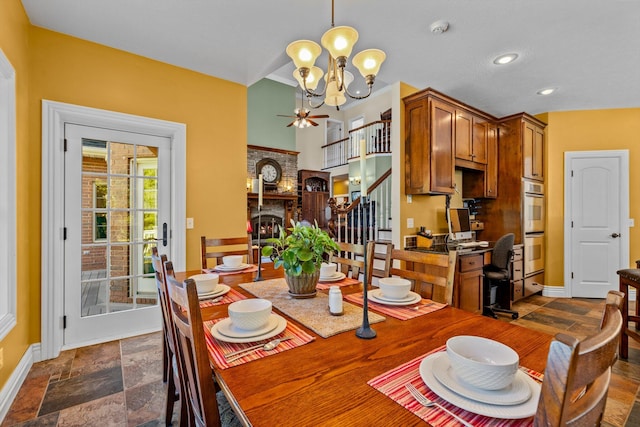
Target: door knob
(614,235)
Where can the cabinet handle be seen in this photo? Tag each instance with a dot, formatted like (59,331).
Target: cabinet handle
(534,174)
(472,263)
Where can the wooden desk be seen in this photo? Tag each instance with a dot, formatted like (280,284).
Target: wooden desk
(325,382)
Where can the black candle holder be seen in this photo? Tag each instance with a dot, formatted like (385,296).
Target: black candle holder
(259,275)
(365,332)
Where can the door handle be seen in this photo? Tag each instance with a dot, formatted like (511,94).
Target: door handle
(615,235)
(164,234)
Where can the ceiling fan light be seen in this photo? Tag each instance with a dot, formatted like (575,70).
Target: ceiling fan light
(368,61)
(315,74)
(339,41)
(304,53)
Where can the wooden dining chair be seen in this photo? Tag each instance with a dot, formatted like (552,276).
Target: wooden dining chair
(576,379)
(350,259)
(216,248)
(431,274)
(191,348)
(170,372)
(381,263)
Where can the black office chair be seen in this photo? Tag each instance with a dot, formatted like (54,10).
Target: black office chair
(497,278)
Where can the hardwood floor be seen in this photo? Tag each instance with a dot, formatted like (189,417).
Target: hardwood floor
(120,383)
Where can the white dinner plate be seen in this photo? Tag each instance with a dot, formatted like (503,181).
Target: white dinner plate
(412,299)
(220,290)
(335,277)
(226,328)
(381,296)
(521,410)
(282,324)
(518,392)
(223,267)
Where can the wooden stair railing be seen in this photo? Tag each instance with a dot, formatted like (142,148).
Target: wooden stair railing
(346,224)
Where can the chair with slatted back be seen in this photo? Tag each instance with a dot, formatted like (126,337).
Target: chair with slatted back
(576,379)
(214,248)
(200,389)
(381,263)
(170,373)
(431,273)
(350,259)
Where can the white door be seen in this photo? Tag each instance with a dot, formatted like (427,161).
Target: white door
(116,209)
(598,228)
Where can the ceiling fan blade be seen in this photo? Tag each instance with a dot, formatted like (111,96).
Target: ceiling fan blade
(312,122)
(282,115)
(291,124)
(321,116)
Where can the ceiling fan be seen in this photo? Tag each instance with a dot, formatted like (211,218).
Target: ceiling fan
(302,117)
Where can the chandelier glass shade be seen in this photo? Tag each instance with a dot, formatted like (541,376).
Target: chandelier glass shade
(339,43)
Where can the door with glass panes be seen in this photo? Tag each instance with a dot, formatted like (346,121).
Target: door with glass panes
(117,208)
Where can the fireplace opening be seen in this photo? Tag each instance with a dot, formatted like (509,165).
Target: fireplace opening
(268,226)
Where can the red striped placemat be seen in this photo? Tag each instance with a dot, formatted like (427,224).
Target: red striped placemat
(392,382)
(217,349)
(228,298)
(347,281)
(402,312)
(227,273)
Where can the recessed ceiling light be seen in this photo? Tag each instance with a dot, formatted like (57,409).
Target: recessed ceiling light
(547,91)
(505,59)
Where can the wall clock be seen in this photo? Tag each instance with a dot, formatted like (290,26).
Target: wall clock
(271,172)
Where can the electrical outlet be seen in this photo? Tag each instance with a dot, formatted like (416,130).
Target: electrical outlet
(189,223)
(409,198)
(1,358)
(410,223)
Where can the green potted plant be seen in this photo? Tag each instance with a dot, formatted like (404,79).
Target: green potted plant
(300,253)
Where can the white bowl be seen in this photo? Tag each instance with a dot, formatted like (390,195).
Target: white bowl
(205,283)
(394,287)
(232,260)
(250,314)
(328,269)
(481,362)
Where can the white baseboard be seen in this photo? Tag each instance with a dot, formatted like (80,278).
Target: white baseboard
(10,389)
(561,292)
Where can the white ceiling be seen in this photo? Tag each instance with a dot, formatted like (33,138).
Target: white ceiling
(588,49)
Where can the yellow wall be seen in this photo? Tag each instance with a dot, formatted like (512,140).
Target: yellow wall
(60,68)
(585,131)
(14,30)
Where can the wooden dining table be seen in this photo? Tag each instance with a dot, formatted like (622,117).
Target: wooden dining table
(324,383)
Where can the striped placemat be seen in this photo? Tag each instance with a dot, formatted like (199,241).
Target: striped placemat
(217,349)
(402,312)
(392,382)
(347,281)
(228,298)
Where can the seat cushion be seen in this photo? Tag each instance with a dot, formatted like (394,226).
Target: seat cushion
(496,274)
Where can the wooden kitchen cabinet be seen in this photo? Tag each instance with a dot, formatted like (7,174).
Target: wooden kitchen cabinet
(533,150)
(471,140)
(429,144)
(468,282)
(491,173)
(313,196)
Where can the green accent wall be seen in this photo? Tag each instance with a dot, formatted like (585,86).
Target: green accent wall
(265,100)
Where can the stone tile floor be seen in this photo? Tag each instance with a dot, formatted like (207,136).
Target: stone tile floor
(119,383)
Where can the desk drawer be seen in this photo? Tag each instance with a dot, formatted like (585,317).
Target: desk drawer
(471,262)
(517,252)
(517,271)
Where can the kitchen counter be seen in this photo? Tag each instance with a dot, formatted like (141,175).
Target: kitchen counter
(443,249)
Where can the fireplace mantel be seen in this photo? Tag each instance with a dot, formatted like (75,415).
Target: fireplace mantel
(281,205)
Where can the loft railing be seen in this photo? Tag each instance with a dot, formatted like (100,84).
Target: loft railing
(347,223)
(378,137)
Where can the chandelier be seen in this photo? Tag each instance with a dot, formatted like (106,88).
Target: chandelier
(339,42)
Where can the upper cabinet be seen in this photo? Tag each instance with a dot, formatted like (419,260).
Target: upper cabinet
(441,134)
(522,140)
(429,144)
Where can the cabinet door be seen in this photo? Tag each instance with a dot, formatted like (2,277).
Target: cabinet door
(416,148)
(442,163)
(491,173)
(321,199)
(470,287)
(479,141)
(464,139)
(532,151)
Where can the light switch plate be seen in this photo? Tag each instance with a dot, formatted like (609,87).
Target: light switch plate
(189,223)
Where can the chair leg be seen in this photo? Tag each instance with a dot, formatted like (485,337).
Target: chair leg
(165,361)
(170,400)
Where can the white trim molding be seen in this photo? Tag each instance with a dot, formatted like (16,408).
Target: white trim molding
(8,225)
(54,116)
(15,381)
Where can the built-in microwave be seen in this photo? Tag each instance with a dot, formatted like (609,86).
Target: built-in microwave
(533,206)
(533,253)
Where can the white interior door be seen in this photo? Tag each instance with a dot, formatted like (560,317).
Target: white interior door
(116,208)
(598,211)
